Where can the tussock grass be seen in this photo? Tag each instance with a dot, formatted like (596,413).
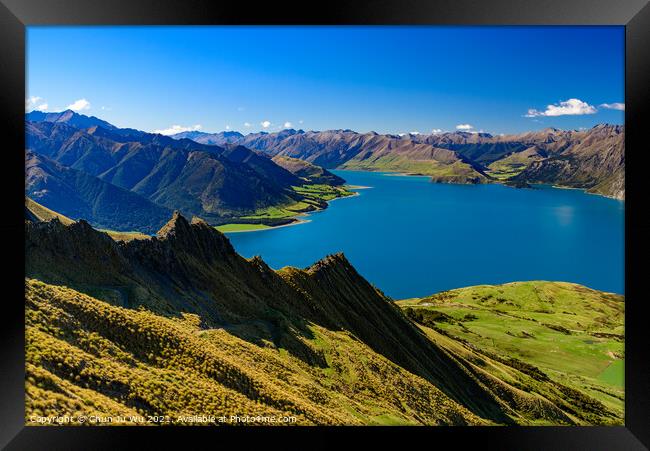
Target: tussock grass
(570,333)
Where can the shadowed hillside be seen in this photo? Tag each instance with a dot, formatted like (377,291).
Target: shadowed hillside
(73,158)
(321,344)
(81,195)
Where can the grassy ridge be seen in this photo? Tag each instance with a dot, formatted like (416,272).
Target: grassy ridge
(182,325)
(572,334)
(85,356)
(45,214)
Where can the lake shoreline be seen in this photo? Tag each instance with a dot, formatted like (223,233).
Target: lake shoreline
(442,236)
(492,182)
(296,219)
(293,223)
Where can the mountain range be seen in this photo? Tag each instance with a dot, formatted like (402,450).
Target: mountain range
(179,324)
(129,180)
(592,159)
(126,179)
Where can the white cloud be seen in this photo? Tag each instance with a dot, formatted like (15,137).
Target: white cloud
(106,108)
(35,103)
(79,105)
(287,124)
(227,127)
(300,121)
(613,106)
(571,107)
(247,124)
(414,133)
(436,131)
(465,127)
(265,124)
(178,129)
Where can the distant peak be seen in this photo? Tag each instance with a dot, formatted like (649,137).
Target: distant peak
(605,125)
(226,133)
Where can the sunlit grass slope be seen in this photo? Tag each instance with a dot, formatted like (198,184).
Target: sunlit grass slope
(570,333)
(85,356)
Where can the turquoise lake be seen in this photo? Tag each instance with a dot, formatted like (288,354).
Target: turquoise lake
(411,238)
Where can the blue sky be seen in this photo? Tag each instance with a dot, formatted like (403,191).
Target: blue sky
(386,79)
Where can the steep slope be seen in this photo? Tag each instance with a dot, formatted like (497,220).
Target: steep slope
(193,268)
(77,194)
(35,212)
(309,172)
(594,159)
(328,149)
(86,357)
(218,184)
(320,344)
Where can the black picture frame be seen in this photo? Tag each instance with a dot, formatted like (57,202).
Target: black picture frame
(15,15)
